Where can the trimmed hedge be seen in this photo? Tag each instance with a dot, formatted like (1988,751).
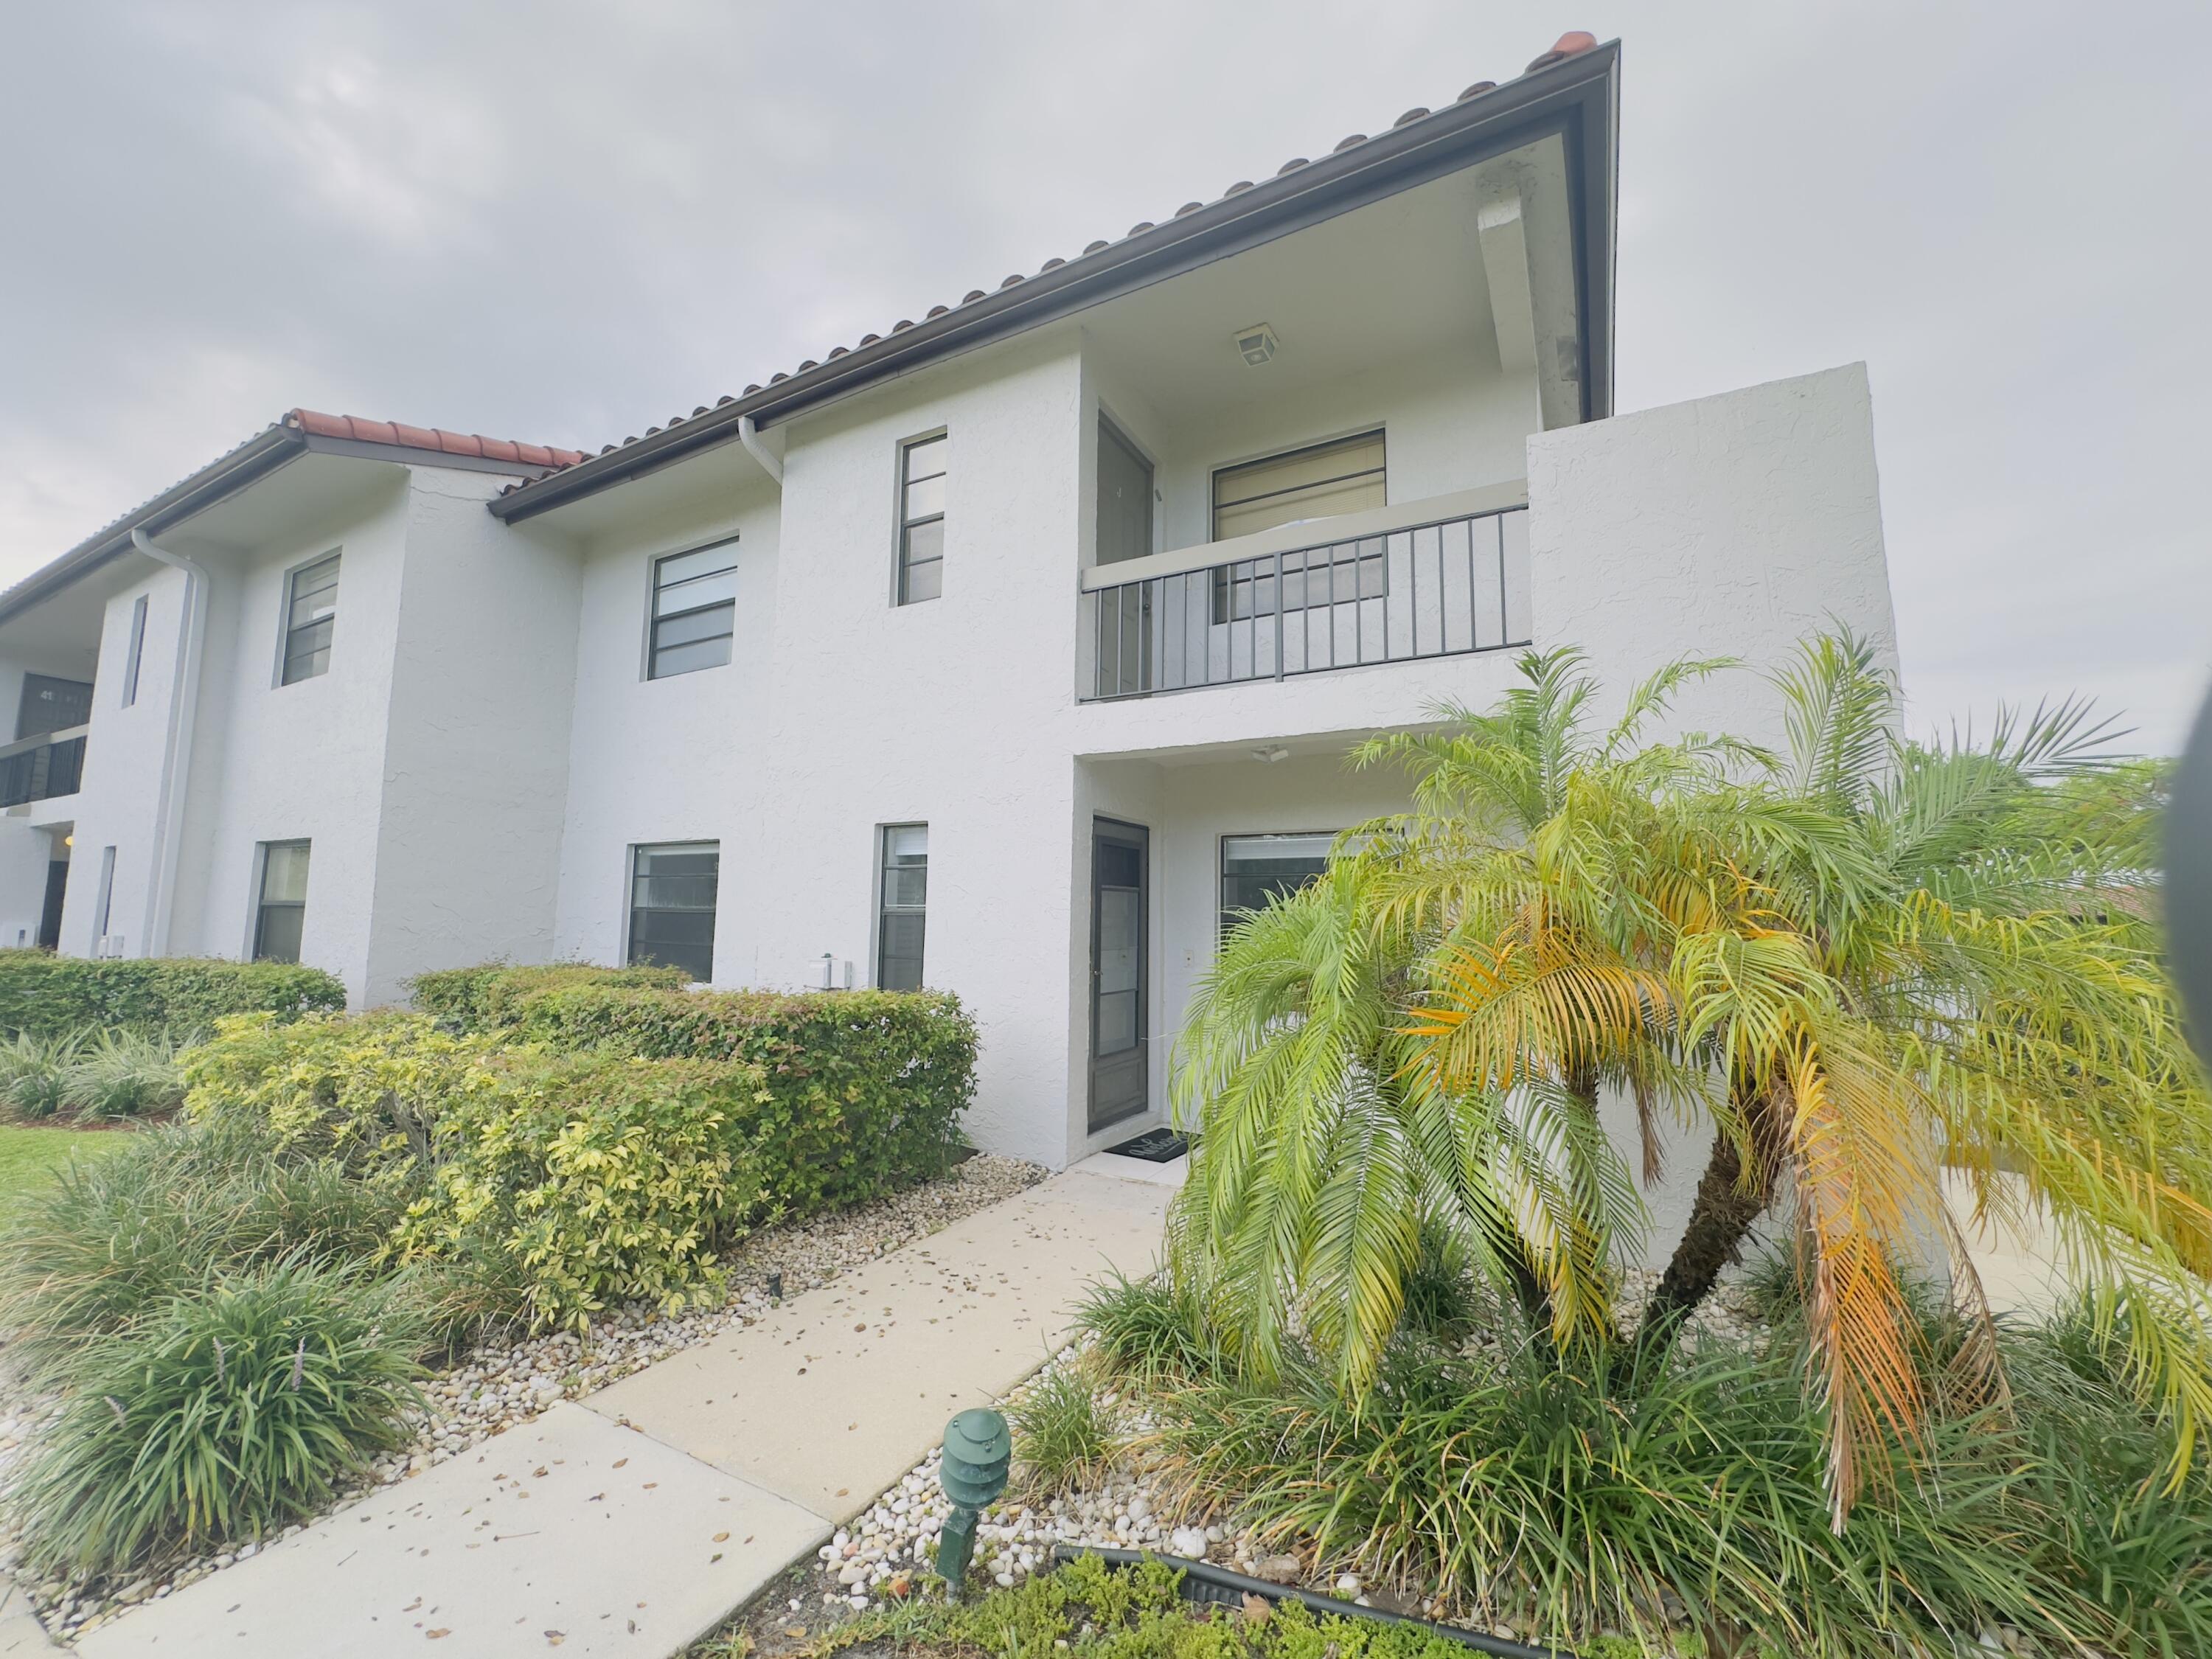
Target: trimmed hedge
(865,1089)
(481,997)
(50,996)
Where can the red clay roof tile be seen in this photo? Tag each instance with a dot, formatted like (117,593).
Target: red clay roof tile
(435,440)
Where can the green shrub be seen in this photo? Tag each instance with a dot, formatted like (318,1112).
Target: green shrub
(50,995)
(122,1074)
(220,1418)
(368,1090)
(865,1089)
(479,998)
(603,1179)
(112,1238)
(34,1074)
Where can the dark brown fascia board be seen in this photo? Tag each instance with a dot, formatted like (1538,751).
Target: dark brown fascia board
(247,465)
(1578,97)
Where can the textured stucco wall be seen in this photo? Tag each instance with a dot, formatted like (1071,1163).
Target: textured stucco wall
(282,763)
(1731,526)
(475,768)
(117,806)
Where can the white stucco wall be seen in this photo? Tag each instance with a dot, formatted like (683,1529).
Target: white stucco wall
(475,769)
(116,807)
(305,761)
(1732,525)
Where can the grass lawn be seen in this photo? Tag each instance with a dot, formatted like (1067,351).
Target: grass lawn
(27,1154)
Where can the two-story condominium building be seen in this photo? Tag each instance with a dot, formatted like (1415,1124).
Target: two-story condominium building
(1005,651)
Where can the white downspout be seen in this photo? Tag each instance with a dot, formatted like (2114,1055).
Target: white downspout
(176,752)
(749,436)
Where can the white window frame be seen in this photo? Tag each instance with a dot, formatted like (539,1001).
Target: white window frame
(137,651)
(900,524)
(277,679)
(652,563)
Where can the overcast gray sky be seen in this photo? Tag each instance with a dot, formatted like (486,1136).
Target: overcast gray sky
(565,222)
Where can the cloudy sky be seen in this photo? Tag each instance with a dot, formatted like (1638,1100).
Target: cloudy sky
(564,221)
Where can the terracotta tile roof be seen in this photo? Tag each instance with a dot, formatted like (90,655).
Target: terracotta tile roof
(437,440)
(1573,43)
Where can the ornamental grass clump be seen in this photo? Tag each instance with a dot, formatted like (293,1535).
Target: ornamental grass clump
(34,1075)
(1065,1432)
(109,1241)
(122,1074)
(1535,1487)
(219,1417)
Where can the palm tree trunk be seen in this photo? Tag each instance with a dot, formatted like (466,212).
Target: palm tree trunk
(1720,1219)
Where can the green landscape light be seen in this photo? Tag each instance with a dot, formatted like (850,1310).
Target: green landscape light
(979,1449)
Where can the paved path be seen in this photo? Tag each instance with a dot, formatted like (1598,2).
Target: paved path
(632,1521)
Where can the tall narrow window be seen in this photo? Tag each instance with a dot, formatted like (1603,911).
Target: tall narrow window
(671,905)
(1125,497)
(138,650)
(1257,869)
(281,912)
(695,608)
(922,521)
(104,901)
(1346,475)
(903,914)
(311,609)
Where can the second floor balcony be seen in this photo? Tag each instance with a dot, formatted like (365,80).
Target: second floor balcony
(1436,578)
(42,767)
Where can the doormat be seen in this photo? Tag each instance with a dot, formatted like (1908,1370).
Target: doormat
(1154,1146)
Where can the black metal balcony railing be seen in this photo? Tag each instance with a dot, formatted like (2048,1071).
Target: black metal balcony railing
(1438,589)
(39,768)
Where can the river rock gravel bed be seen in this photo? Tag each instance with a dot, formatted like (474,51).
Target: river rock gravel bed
(496,1387)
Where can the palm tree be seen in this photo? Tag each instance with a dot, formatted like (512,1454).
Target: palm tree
(1857,959)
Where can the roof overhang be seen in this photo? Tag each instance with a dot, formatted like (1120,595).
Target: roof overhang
(1578,98)
(275,447)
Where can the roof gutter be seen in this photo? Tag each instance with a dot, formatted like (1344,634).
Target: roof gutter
(253,459)
(177,749)
(749,436)
(1577,96)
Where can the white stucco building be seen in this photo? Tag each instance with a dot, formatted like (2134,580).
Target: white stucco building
(1001,653)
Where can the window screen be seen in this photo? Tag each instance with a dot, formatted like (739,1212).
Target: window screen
(902,913)
(311,609)
(922,521)
(1255,869)
(695,608)
(671,905)
(281,912)
(1318,482)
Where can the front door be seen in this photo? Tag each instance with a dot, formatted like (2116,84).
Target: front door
(50,916)
(1120,1054)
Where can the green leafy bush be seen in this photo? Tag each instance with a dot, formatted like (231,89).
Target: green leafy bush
(482,997)
(220,1417)
(603,1179)
(110,1240)
(368,1090)
(34,1074)
(865,1089)
(50,995)
(122,1074)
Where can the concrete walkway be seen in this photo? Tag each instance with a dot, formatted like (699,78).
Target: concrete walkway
(633,1520)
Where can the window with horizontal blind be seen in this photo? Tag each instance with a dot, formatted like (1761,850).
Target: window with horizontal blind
(1255,870)
(672,890)
(311,611)
(1320,481)
(695,610)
